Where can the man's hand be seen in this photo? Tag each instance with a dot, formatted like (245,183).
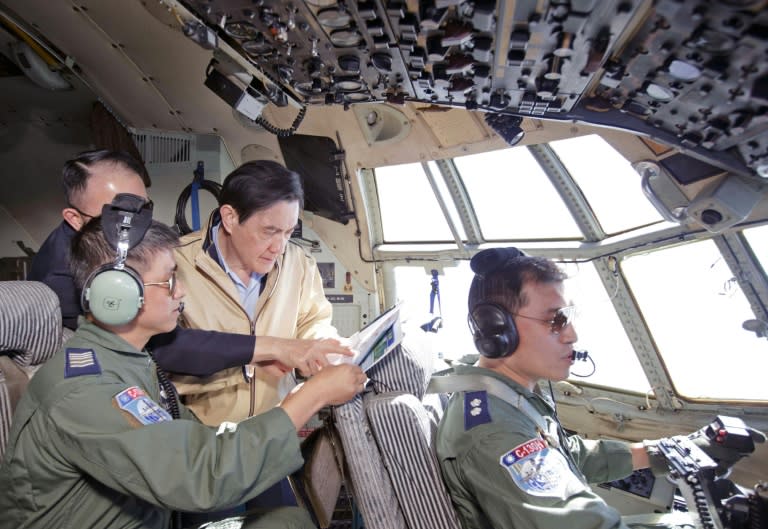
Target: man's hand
(726,440)
(308,356)
(337,384)
(332,385)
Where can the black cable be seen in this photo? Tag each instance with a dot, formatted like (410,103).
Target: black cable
(172,406)
(594,368)
(283,133)
(212,187)
(171,398)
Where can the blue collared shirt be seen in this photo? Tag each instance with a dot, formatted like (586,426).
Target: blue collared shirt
(249,294)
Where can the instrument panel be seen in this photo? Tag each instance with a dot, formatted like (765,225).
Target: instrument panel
(690,73)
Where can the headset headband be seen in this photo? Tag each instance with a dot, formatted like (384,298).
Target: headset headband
(124,223)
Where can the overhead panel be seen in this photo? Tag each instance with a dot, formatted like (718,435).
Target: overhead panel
(691,74)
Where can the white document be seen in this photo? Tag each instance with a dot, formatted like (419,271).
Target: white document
(374,341)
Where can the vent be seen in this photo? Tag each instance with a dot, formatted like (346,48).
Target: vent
(164,148)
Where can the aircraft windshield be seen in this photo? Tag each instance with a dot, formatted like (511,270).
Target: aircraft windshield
(696,311)
(635,302)
(513,198)
(404,192)
(603,175)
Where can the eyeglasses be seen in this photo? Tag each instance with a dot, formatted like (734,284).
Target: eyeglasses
(170,284)
(563,318)
(83,213)
(148,205)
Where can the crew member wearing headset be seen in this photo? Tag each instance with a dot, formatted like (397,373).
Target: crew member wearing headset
(504,456)
(98,439)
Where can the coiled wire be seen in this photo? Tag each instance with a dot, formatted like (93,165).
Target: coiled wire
(212,187)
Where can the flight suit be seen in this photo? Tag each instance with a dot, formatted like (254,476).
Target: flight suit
(504,471)
(92,446)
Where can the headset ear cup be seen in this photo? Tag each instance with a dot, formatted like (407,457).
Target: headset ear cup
(494,330)
(113,296)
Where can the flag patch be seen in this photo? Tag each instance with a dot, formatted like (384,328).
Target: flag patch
(138,405)
(540,470)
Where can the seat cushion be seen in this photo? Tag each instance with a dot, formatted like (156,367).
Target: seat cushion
(405,369)
(367,478)
(405,433)
(30,334)
(30,321)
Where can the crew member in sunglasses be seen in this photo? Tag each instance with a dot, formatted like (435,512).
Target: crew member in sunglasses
(504,456)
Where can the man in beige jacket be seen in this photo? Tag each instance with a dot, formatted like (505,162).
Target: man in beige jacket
(244,275)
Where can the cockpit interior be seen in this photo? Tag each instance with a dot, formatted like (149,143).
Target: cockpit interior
(625,139)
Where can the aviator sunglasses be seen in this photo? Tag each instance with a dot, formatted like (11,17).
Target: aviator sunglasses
(170,284)
(563,318)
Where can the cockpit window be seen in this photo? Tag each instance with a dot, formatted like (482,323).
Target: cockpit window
(613,362)
(606,177)
(681,300)
(758,241)
(410,211)
(696,311)
(513,198)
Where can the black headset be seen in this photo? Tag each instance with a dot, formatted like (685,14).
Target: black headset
(114,293)
(491,324)
(493,330)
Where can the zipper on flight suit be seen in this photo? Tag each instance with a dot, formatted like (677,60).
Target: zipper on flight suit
(252,381)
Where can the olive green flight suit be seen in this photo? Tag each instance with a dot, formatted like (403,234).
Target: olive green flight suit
(503,472)
(76,460)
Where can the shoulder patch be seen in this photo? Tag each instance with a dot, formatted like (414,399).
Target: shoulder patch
(80,362)
(539,470)
(476,409)
(135,402)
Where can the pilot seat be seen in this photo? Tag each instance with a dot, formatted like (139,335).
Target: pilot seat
(30,333)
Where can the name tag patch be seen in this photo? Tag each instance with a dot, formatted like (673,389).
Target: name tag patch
(539,470)
(138,405)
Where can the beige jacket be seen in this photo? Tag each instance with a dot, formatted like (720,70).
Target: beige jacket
(292,304)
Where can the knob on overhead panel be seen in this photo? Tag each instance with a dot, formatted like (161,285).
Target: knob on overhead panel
(375,28)
(554,67)
(460,84)
(257,47)
(483,15)
(546,88)
(435,50)
(482,71)
(499,101)
(519,38)
(455,34)
(314,66)
(285,72)
(367,10)
(458,63)
(564,44)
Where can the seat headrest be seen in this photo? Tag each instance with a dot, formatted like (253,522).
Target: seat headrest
(408,368)
(30,322)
